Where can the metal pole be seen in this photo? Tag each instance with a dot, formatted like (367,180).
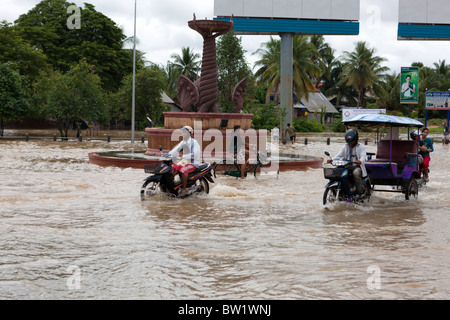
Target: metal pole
(133,103)
(448,114)
(286,76)
(426,92)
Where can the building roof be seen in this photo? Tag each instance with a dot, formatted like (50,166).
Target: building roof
(316,100)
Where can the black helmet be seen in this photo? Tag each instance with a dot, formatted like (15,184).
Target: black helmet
(351,136)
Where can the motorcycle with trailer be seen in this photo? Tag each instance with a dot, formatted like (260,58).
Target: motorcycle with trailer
(395,165)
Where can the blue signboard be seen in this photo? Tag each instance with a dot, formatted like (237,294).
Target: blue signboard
(437,100)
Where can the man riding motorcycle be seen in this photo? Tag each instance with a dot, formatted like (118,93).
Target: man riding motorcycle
(191,158)
(354,152)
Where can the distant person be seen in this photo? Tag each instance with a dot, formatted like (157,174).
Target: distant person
(239,149)
(425,153)
(408,88)
(289,133)
(446,134)
(275,133)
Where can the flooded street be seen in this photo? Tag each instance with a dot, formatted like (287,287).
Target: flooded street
(74,230)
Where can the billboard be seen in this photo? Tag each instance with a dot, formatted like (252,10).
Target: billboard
(294,16)
(290,9)
(437,100)
(424,20)
(409,88)
(348,114)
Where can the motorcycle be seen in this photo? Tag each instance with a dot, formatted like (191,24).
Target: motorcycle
(339,172)
(163,180)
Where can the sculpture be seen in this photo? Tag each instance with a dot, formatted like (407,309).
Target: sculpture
(203,92)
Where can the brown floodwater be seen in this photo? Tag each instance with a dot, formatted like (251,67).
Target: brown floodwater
(74,230)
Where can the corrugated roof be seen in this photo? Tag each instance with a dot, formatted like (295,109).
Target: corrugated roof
(316,100)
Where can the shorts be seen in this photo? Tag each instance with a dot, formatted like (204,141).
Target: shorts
(292,138)
(184,169)
(426,162)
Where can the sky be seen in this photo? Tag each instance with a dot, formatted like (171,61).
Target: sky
(162,29)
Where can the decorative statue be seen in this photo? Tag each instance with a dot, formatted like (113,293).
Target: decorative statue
(238,95)
(203,93)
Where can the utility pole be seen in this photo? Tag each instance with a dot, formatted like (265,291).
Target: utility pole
(133,102)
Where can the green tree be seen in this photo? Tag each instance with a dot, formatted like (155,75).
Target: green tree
(99,40)
(305,70)
(150,82)
(13,97)
(28,60)
(187,64)
(73,96)
(363,71)
(231,68)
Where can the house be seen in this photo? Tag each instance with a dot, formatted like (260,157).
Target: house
(317,106)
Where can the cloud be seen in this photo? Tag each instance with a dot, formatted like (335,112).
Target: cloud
(162,29)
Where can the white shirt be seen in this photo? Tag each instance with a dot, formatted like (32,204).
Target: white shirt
(358,153)
(191,151)
(275,132)
(408,93)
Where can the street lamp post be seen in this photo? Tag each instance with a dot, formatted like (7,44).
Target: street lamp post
(133,102)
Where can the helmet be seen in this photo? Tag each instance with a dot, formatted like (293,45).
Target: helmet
(189,129)
(351,136)
(414,134)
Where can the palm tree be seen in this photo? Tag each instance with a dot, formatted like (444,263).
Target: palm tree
(188,64)
(442,68)
(304,68)
(363,71)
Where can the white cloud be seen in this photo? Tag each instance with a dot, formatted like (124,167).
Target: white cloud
(162,29)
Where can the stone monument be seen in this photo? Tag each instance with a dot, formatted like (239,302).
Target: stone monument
(202,95)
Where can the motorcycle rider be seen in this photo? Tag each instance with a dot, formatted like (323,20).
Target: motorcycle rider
(354,152)
(191,158)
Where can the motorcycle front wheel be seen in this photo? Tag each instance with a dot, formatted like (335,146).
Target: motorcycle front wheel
(330,195)
(149,189)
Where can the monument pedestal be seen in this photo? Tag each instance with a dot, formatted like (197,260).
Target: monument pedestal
(207,129)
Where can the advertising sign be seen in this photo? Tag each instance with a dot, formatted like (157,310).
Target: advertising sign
(347,10)
(437,100)
(409,88)
(348,114)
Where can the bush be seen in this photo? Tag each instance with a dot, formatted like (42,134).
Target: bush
(337,125)
(305,125)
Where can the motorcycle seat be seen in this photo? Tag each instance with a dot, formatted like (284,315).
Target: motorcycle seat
(202,167)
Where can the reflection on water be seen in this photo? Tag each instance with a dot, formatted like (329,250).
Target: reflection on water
(254,239)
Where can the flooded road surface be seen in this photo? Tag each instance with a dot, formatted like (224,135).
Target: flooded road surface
(73,230)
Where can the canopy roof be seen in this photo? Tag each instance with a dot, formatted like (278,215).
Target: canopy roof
(381,120)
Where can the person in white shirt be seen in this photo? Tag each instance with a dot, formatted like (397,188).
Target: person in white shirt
(355,152)
(276,133)
(408,88)
(191,158)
